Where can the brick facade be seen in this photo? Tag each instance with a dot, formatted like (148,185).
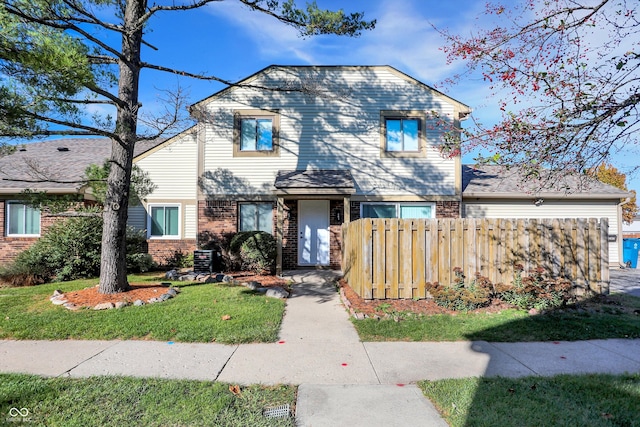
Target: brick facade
(164,251)
(217,220)
(448,209)
(290,235)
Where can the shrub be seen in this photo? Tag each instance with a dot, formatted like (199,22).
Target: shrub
(529,292)
(256,249)
(460,296)
(536,291)
(71,250)
(180,260)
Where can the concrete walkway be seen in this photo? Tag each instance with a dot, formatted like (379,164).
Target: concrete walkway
(342,381)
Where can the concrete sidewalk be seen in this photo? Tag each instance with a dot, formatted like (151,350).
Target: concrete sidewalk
(342,381)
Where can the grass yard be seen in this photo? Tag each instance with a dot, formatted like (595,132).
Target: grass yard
(195,315)
(116,401)
(564,400)
(618,318)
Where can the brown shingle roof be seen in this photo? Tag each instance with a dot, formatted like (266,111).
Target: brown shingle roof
(326,181)
(498,182)
(63,160)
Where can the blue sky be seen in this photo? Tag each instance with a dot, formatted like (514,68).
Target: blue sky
(226,39)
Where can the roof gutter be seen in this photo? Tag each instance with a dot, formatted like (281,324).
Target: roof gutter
(547,195)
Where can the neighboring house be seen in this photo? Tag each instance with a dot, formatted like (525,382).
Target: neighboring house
(56,167)
(631,230)
(494,192)
(325,145)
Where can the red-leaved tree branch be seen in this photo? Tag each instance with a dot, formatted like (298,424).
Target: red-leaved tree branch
(568,76)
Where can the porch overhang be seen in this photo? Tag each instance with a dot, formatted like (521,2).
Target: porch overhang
(314,182)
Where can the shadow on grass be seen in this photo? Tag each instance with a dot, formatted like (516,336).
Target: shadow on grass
(560,382)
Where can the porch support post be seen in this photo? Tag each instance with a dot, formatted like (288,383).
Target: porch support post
(279,234)
(346,214)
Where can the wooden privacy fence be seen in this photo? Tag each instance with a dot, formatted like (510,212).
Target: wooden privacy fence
(395,258)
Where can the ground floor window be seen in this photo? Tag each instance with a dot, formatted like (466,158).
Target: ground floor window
(22,220)
(164,221)
(256,217)
(397,210)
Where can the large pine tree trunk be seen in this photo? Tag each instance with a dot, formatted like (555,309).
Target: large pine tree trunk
(113,267)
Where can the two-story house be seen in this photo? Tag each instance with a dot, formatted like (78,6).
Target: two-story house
(296,151)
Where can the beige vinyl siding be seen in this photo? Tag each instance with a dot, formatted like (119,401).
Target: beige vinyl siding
(173,169)
(190,221)
(137,217)
(549,209)
(336,127)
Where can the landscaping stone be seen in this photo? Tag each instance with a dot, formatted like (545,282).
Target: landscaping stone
(277,292)
(172,291)
(58,300)
(138,303)
(164,297)
(121,304)
(153,300)
(70,306)
(172,275)
(210,279)
(227,279)
(219,277)
(190,277)
(104,306)
(57,293)
(253,285)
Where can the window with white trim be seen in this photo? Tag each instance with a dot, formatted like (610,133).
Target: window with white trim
(256,217)
(164,221)
(22,220)
(397,210)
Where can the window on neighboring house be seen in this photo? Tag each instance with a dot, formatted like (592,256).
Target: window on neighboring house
(164,221)
(22,220)
(256,133)
(256,217)
(397,210)
(402,133)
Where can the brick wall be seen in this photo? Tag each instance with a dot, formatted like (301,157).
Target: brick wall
(290,235)
(335,234)
(164,250)
(448,209)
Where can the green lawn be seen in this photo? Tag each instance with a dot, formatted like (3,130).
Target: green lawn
(116,401)
(195,315)
(614,319)
(564,400)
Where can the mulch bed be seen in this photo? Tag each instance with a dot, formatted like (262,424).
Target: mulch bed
(372,308)
(90,297)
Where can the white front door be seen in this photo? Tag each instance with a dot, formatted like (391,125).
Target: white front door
(313,232)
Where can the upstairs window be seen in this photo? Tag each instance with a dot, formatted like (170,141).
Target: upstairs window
(22,220)
(402,134)
(255,133)
(164,221)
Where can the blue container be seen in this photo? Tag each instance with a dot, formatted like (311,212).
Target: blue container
(630,249)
